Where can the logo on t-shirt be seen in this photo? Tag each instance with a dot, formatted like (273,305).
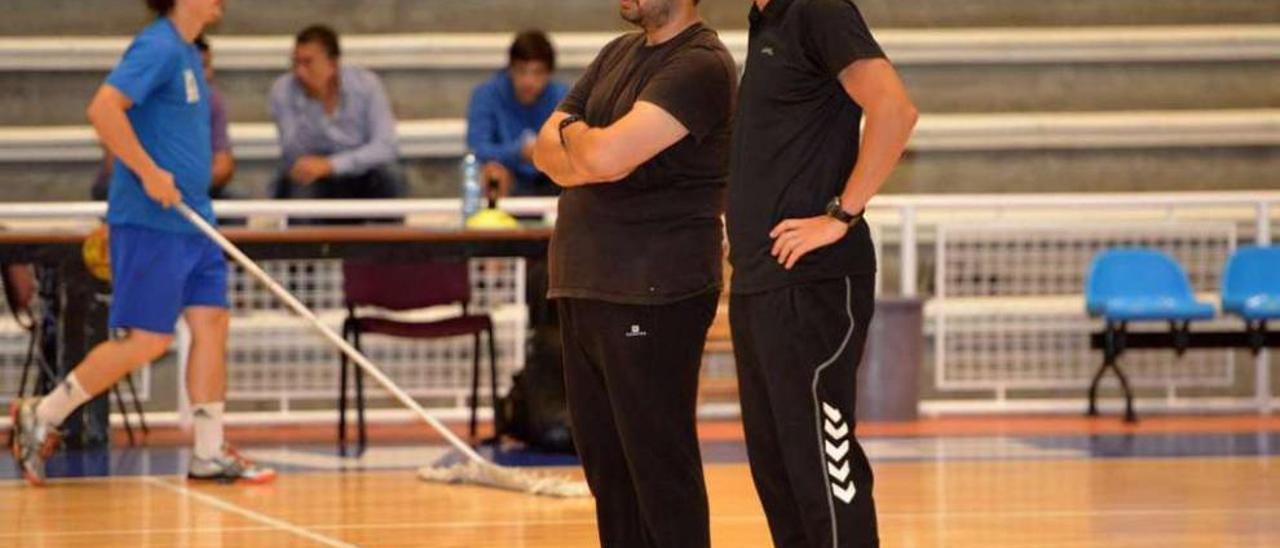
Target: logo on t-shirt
(193,89)
(636,332)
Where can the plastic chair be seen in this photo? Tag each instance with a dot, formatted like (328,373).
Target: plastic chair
(1138,285)
(401,287)
(1251,289)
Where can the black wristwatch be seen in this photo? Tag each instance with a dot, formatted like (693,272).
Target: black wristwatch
(835,211)
(566,122)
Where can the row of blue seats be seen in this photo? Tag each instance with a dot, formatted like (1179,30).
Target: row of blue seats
(1137,284)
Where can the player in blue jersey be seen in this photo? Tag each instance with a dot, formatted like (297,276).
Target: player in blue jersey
(152,114)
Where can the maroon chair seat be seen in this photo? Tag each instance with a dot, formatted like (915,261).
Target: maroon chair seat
(452,327)
(398,287)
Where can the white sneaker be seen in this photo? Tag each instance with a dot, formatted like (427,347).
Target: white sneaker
(230,467)
(33,441)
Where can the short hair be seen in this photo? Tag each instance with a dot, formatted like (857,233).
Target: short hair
(323,35)
(161,7)
(533,45)
(202,44)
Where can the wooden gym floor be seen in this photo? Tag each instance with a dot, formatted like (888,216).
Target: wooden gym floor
(1194,482)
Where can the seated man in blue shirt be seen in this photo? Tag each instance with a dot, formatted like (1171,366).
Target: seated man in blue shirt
(337,133)
(507,111)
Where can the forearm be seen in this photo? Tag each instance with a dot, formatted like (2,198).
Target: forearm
(550,158)
(884,139)
(508,153)
(117,135)
(363,159)
(224,168)
(595,152)
(554,163)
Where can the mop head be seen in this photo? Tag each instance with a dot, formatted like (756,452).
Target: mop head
(504,477)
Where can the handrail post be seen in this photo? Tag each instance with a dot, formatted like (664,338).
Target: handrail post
(910,264)
(1262,361)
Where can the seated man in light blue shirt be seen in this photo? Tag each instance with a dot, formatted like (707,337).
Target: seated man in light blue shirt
(337,133)
(507,111)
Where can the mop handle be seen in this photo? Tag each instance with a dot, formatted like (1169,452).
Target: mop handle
(326,331)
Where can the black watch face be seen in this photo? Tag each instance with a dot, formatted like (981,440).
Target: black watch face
(838,213)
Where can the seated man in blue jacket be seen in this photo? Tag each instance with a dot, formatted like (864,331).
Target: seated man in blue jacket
(507,111)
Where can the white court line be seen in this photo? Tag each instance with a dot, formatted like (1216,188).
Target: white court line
(247,513)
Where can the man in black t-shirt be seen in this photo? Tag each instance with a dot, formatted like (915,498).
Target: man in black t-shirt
(803,262)
(641,147)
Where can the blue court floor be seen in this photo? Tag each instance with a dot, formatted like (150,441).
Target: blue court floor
(296,458)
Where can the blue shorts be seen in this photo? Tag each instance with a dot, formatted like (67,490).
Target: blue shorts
(156,275)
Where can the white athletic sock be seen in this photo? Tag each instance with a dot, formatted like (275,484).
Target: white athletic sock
(207,422)
(65,398)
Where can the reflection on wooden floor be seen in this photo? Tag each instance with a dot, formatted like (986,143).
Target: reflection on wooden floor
(1148,503)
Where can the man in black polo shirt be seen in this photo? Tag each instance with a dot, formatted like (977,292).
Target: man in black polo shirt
(803,262)
(641,147)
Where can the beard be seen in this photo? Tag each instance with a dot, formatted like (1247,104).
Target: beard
(647,14)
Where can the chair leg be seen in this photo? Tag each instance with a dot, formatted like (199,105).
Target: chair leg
(26,370)
(362,430)
(1129,415)
(137,404)
(1093,388)
(475,383)
(493,380)
(342,400)
(1112,348)
(124,413)
(1108,360)
(22,383)
(27,365)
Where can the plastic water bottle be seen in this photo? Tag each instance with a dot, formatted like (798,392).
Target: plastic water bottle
(471,189)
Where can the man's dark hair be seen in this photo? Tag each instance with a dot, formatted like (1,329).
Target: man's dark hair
(533,45)
(161,7)
(201,43)
(323,35)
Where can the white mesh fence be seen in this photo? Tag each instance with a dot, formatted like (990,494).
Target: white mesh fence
(13,354)
(1004,350)
(275,356)
(1007,260)
(1007,313)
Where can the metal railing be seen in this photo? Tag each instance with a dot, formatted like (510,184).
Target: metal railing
(908,229)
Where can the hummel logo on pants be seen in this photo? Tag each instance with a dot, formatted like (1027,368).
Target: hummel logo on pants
(797,351)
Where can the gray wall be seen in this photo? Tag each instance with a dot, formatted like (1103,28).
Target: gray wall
(110,17)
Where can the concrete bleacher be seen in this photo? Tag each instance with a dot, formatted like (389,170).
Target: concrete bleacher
(1016,96)
(48,81)
(1002,152)
(118,17)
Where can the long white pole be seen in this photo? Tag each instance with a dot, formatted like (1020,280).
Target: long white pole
(327,332)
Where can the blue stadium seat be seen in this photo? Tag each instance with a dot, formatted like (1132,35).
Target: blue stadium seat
(1251,284)
(1127,285)
(1138,285)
